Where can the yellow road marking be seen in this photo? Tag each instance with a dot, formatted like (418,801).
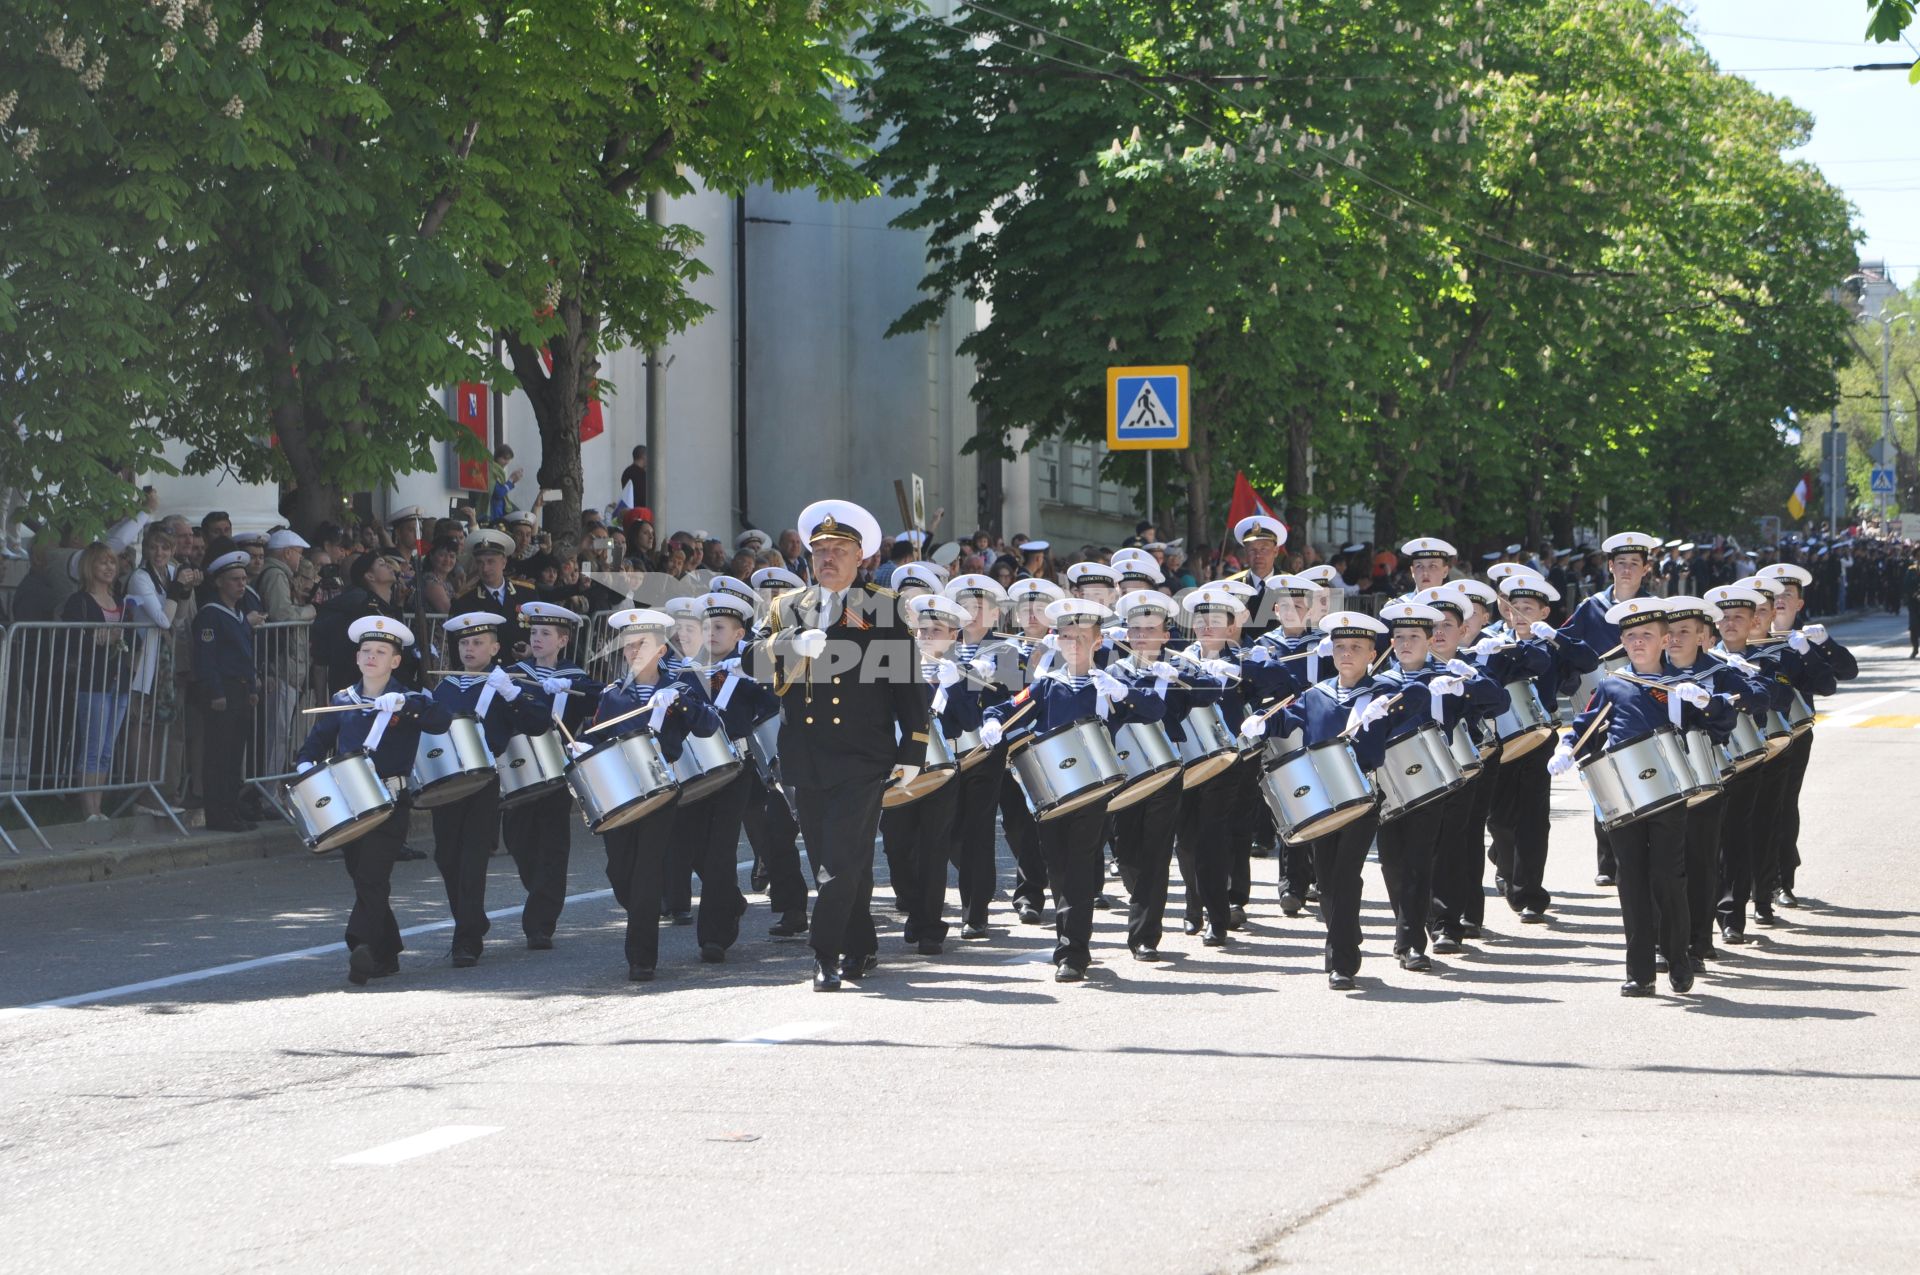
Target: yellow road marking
(1889,721)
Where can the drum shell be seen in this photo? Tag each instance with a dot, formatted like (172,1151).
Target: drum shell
(1705,761)
(1778,732)
(966,746)
(1747,745)
(937,770)
(531,766)
(1572,706)
(1067,768)
(1417,768)
(762,744)
(707,763)
(1799,714)
(1208,745)
(1316,790)
(621,780)
(1151,761)
(1526,724)
(339,801)
(452,765)
(1639,778)
(1465,747)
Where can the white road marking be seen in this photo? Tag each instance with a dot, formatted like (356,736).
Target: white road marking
(1849,707)
(258,962)
(784,1033)
(1035,957)
(447,1135)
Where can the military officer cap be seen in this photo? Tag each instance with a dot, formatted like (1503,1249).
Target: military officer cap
(737,587)
(776,577)
(1297,586)
(1475,590)
(727,604)
(1429,547)
(235,558)
(487,540)
(1635,612)
(1097,572)
(683,606)
(548,613)
(403,514)
(378,628)
(520,519)
(469,623)
(1629,542)
(1736,595)
(1214,601)
(922,575)
(1033,587)
(1068,611)
(1410,615)
(754,539)
(1787,571)
(639,620)
(1325,576)
(286,538)
(1260,527)
(975,585)
(1034,546)
(1528,584)
(840,520)
(934,607)
(1348,624)
(1681,606)
(1147,600)
(1445,598)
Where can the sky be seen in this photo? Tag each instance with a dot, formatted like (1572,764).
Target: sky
(1865,137)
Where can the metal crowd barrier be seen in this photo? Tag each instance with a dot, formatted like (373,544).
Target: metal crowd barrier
(86,708)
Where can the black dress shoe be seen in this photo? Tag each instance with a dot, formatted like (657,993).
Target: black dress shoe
(1602,879)
(1340,982)
(713,954)
(407,854)
(1768,917)
(1214,937)
(1445,943)
(683,918)
(1194,925)
(362,965)
(1146,953)
(1500,886)
(1699,964)
(854,968)
(1101,903)
(1313,894)
(1631,988)
(757,881)
(974,931)
(1236,917)
(826,974)
(1418,962)
(1681,983)
(1469,931)
(1533,916)
(639,973)
(790,925)
(1029,916)
(1660,965)
(1065,973)
(1732,938)
(930,947)
(1290,904)
(1786,898)
(465,960)
(539,942)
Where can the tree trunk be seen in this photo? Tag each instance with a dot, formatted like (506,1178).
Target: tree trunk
(1299,505)
(316,498)
(560,396)
(1197,461)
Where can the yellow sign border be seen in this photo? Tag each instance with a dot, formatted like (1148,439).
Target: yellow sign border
(1182,376)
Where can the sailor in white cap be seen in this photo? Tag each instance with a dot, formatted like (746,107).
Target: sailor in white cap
(1217,817)
(466,830)
(275,582)
(917,579)
(522,526)
(1261,539)
(1036,559)
(1094,582)
(1429,561)
(1746,610)
(1459,857)
(853,722)
(1016,662)
(1283,661)
(227,682)
(494,592)
(669,706)
(538,830)
(771,582)
(978,787)
(1073,691)
(1332,595)
(393,716)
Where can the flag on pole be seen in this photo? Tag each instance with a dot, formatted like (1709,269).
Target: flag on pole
(1246,502)
(1797,502)
(627,498)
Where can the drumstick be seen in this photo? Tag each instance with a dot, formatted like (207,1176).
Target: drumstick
(1264,714)
(615,721)
(1384,656)
(1389,702)
(340,708)
(1593,725)
(1185,686)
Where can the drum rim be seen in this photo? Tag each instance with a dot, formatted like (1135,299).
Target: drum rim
(325,767)
(1349,804)
(385,810)
(665,796)
(1666,804)
(1064,727)
(1084,796)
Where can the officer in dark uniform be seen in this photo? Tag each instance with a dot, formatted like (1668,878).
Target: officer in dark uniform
(228,684)
(497,592)
(1261,537)
(853,719)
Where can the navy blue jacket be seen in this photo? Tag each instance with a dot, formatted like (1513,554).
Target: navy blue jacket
(337,734)
(1058,704)
(1640,710)
(750,704)
(579,706)
(223,653)
(526,714)
(1484,697)
(691,714)
(1322,710)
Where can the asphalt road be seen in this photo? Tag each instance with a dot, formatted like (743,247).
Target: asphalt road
(1222,1112)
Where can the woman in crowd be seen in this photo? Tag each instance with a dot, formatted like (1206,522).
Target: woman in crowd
(160,599)
(99,660)
(437,583)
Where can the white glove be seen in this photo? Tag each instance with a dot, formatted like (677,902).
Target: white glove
(1109,687)
(1051,641)
(1258,654)
(1692,693)
(664,698)
(991,732)
(391,702)
(1544,631)
(305,766)
(1816,634)
(1254,727)
(1562,760)
(1222,669)
(1486,646)
(1798,641)
(983,666)
(1446,686)
(1325,649)
(1744,665)
(1460,668)
(1160,668)
(1376,710)
(579,748)
(946,673)
(904,775)
(556,685)
(809,643)
(728,666)
(503,685)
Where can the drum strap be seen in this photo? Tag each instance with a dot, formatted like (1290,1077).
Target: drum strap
(379,731)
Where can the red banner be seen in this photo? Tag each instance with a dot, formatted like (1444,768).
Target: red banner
(472,407)
(1246,503)
(594,423)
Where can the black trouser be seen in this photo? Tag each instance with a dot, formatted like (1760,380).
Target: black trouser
(973,851)
(1338,858)
(369,861)
(1736,848)
(1473,898)
(1071,845)
(1792,775)
(1518,820)
(1023,838)
(1701,864)
(464,834)
(918,839)
(839,822)
(1603,862)
(772,831)
(1407,848)
(1204,817)
(707,831)
(676,881)
(1249,812)
(538,834)
(636,868)
(1143,845)
(1456,859)
(1651,853)
(1766,813)
(224,747)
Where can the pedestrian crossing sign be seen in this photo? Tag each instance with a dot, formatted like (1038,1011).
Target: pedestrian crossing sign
(1146,408)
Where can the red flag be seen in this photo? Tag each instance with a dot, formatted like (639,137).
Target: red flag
(1246,502)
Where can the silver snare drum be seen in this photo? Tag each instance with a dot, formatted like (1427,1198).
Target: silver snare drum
(1799,715)
(1705,779)
(1526,724)
(938,768)
(1465,747)
(1151,761)
(1208,745)
(1641,777)
(707,764)
(763,745)
(1747,745)
(967,747)
(531,766)
(1418,768)
(338,801)
(1777,731)
(1068,768)
(1316,790)
(449,767)
(621,780)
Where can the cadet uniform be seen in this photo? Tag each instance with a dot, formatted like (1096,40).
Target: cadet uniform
(224,673)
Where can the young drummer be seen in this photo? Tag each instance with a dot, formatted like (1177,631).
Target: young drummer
(1292,653)
(1016,663)
(1073,691)
(981,599)
(772,830)
(393,716)
(1207,812)
(1750,796)
(466,831)
(1650,851)
(538,832)
(677,706)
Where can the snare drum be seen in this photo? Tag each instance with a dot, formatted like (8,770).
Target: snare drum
(1526,724)
(1641,777)
(339,801)
(707,764)
(1572,706)
(1465,747)
(1151,761)
(1747,745)
(763,745)
(451,766)
(1208,745)
(967,747)
(1069,767)
(1799,715)
(938,768)
(531,766)
(1317,790)
(1418,768)
(621,780)
(1705,777)
(1777,731)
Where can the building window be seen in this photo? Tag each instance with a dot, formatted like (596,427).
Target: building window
(1069,474)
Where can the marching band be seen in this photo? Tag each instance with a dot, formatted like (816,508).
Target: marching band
(1109,717)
